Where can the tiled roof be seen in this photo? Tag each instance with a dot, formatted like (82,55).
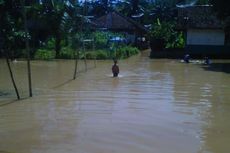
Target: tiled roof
(201,17)
(116,21)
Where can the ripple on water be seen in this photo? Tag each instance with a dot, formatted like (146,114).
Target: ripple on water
(154,105)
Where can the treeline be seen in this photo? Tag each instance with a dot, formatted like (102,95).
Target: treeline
(58,23)
(50,25)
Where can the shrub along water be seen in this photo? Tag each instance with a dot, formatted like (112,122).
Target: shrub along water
(44,54)
(100,54)
(99,47)
(67,52)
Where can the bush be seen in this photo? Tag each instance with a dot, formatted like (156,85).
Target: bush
(50,44)
(132,50)
(126,51)
(90,55)
(101,39)
(66,53)
(162,30)
(177,41)
(44,54)
(166,31)
(101,54)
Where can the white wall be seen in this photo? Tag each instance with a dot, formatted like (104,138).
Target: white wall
(205,37)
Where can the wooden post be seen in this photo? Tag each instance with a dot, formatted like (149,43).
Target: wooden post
(12,77)
(84,15)
(85,56)
(76,65)
(27,47)
(95,54)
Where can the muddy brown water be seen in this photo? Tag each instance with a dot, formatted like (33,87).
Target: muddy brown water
(155,106)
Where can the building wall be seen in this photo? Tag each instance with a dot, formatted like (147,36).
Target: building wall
(205,37)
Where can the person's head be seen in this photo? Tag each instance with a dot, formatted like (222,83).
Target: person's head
(115,61)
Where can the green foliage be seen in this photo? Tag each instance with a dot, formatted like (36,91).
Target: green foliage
(166,31)
(177,40)
(91,55)
(66,53)
(101,39)
(101,55)
(133,50)
(162,30)
(62,20)
(50,44)
(43,54)
(126,51)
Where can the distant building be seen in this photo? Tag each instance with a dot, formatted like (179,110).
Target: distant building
(204,32)
(116,22)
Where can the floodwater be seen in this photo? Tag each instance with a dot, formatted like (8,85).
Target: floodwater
(155,106)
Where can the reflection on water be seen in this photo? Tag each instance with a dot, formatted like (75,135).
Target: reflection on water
(155,105)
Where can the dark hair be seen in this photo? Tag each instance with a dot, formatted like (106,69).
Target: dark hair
(115,60)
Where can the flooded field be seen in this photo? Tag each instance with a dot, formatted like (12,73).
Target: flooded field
(155,106)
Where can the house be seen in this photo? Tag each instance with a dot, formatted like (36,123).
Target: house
(116,22)
(204,32)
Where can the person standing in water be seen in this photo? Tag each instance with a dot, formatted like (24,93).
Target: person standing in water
(115,69)
(207,60)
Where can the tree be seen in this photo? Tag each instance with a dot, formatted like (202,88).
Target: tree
(221,7)
(223,12)
(97,8)
(54,13)
(135,7)
(10,25)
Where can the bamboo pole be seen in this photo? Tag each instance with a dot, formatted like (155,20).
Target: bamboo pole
(86,68)
(12,77)
(95,58)
(76,65)
(27,48)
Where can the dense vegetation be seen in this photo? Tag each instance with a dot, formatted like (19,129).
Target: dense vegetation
(56,28)
(97,48)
